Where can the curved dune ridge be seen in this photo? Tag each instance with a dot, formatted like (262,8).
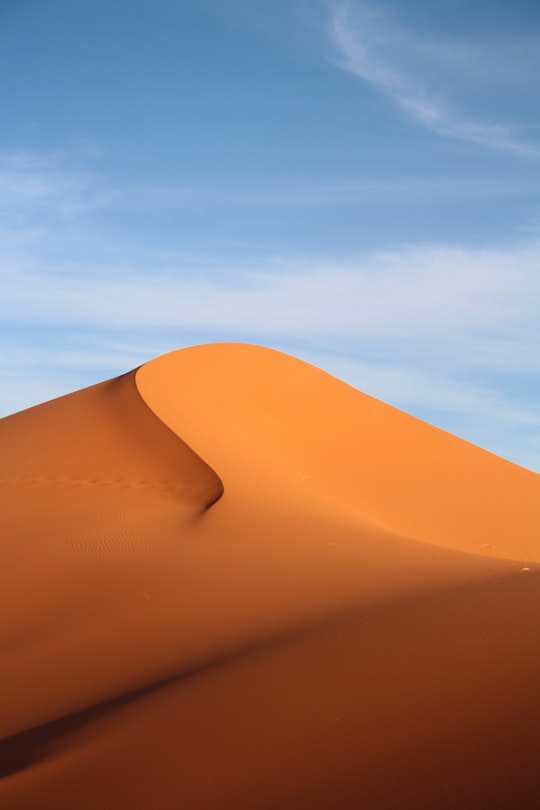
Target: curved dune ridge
(232,581)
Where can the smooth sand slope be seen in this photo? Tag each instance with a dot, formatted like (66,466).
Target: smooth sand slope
(231,581)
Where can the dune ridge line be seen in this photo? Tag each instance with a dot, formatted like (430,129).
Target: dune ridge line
(353,623)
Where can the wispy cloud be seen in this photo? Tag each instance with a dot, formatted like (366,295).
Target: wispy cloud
(44,191)
(406,293)
(38,183)
(450,334)
(434,329)
(287,194)
(369,47)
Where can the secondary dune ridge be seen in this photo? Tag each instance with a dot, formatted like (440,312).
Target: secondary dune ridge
(232,581)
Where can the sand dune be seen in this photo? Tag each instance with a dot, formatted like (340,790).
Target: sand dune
(232,581)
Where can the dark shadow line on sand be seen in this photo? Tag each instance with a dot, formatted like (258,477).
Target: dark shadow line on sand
(26,748)
(132,375)
(220,487)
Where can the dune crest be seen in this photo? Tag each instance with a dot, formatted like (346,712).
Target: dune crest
(294,425)
(233,581)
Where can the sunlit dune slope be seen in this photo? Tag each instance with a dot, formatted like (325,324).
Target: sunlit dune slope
(233,581)
(265,420)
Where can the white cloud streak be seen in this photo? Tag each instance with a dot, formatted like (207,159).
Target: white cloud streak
(34,183)
(360,38)
(438,291)
(434,329)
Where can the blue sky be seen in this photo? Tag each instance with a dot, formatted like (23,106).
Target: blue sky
(357,184)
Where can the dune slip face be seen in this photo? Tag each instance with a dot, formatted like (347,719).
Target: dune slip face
(232,581)
(84,481)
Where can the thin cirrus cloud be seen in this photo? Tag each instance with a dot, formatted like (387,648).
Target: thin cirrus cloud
(435,330)
(437,293)
(35,185)
(369,51)
(38,189)
(449,333)
(441,295)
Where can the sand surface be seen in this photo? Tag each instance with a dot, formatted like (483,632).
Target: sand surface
(229,580)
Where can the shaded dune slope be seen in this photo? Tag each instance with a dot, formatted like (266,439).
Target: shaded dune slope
(353,623)
(83,481)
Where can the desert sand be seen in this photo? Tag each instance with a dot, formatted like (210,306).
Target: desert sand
(229,580)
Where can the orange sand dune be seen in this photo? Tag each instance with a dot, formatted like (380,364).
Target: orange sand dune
(232,581)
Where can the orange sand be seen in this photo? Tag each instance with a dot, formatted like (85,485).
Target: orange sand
(229,580)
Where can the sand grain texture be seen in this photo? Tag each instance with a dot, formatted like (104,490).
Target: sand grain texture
(232,581)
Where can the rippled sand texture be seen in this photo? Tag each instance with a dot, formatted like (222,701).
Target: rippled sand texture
(229,580)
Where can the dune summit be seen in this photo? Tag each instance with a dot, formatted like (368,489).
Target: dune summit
(229,580)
